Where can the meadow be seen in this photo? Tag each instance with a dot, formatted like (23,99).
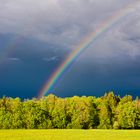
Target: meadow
(69,134)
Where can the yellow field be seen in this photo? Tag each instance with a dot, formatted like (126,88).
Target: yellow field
(69,135)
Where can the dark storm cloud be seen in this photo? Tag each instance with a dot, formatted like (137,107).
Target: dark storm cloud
(96,78)
(23,71)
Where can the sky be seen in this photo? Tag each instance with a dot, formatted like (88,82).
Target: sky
(37,36)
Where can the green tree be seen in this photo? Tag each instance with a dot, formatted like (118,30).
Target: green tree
(126,115)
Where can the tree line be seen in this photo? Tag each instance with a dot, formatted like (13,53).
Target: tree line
(52,112)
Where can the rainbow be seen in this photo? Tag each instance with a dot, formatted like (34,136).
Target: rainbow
(84,44)
(10,47)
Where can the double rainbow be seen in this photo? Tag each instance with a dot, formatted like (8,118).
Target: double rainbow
(84,44)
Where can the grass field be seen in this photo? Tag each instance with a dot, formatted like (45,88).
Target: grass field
(69,135)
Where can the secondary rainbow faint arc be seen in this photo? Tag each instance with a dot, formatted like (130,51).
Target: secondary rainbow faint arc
(84,44)
(10,48)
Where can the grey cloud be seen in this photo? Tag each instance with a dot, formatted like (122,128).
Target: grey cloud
(53,58)
(66,22)
(119,42)
(13,59)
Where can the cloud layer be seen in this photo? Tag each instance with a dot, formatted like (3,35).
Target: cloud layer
(63,22)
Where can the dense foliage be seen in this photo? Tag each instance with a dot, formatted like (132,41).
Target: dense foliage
(51,112)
